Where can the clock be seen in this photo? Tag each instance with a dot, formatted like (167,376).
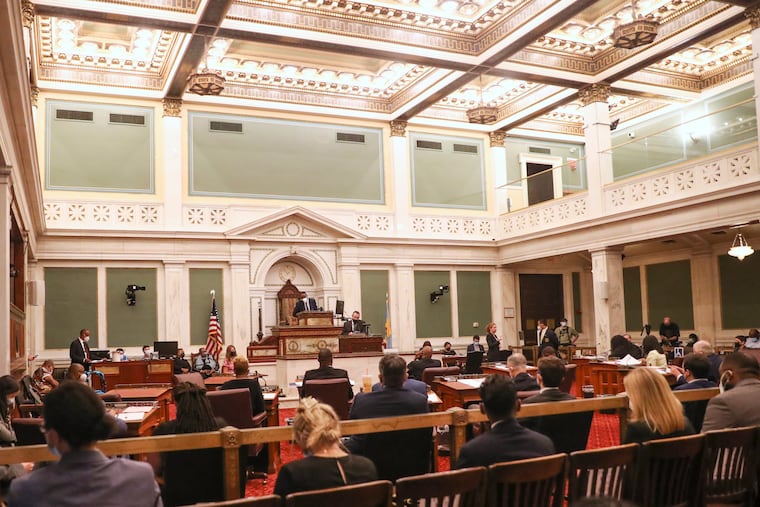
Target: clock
(287,272)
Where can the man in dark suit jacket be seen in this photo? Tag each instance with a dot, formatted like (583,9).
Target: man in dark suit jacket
(355,325)
(413,385)
(696,368)
(305,304)
(551,371)
(79,350)
(545,336)
(507,440)
(417,366)
(326,371)
(518,367)
(737,406)
(705,348)
(399,453)
(475,346)
(243,381)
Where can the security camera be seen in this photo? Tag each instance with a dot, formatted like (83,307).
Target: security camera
(132,288)
(631,135)
(130,293)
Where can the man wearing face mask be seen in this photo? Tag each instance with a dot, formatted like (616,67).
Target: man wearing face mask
(74,421)
(79,350)
(566,334)
(181,365)
(737,405)
(205,363)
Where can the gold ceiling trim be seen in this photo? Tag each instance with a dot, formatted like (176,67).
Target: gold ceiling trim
(183,6)
(666,79)
(325,99)
(99,78)
(544,125)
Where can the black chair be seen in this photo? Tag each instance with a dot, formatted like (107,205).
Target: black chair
(28,430)
(608,472)
(695,412)
(474,361)
(428,374)
(569,432)
(332,391)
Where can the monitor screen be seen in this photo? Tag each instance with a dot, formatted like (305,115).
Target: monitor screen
(339,307)
(165,350)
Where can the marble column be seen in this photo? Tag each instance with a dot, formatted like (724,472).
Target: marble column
(609,305)
(596,131)
(505,279)
(239,298)
(402,182)
(5,260)
(705,300)
(587,309)
(499,171)
(176,309)
(403,322)
(172,163)
(349,277)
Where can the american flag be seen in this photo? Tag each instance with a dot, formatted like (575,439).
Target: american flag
(214,343)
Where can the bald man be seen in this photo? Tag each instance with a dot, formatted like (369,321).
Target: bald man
(326,370)
(426,360)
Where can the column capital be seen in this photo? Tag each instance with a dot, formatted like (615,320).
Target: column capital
(497,138)
(27,12)
(35,92)
(607,250)
(172,107)
(597,92)
(753,14)
(398,128)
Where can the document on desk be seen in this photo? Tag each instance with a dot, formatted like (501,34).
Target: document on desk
(131,416)
(472,382)
(137,408)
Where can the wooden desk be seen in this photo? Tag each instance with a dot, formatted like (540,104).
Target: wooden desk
(158,371)
(454,361)
(456,394)
(161,395)
(501,369)
(142,427)
(360,343)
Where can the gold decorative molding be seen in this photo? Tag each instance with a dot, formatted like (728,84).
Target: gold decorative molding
(597,92)
(35,92)
(398,128)
(753,15)
(27,12)
(172,107)
(497,138)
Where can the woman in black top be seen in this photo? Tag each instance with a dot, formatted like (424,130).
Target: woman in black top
(327,464)
(493,341)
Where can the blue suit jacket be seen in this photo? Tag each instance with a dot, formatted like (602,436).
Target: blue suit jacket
(413,385)
(508,441)
(697,384)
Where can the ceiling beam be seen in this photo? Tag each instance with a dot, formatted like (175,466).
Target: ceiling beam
(101,16)
(208,24)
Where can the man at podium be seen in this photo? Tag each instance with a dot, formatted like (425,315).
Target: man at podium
(305,304)
(354,326)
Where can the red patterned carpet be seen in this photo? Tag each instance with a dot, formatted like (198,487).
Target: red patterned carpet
(604,433)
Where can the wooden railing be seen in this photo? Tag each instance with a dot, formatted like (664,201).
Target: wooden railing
(230,439)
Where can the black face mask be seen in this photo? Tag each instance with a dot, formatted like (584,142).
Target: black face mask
(233,354)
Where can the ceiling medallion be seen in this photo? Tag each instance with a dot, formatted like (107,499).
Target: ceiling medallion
(638,32)
(206,82)
(482,113)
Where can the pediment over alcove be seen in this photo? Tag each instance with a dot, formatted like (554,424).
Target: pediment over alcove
(296,223)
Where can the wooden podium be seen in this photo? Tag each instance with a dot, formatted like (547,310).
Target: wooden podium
(350,344)
(313,319)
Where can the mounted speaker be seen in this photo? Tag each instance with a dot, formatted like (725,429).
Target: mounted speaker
(35,292)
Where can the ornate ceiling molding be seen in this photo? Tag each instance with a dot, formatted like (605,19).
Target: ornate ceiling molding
(398,128)
(597,92)
(172,107)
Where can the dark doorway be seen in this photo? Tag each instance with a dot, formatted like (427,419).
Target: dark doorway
(541,297)
(540,182)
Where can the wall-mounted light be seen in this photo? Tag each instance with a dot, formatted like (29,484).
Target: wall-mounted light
(13,273)
(740,248)
(130,293)
(436,294)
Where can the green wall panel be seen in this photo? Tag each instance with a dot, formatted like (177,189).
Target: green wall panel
(433,320)
(131,326)
(202,282)
(634,317)
(474,300)
(374,287)
(577,303)
(446,178)
(71,304)
(739,296)
(669,293)
(284,159)
(99,155)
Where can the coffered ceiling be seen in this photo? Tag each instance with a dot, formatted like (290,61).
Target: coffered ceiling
(424,61)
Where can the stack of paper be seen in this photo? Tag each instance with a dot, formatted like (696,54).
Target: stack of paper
(628,360)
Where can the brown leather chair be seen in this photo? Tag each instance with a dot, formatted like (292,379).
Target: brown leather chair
(569,379)
(28,430)
(428,374)
(608,472)
(192,377)
(669,472)
(465,488)
(331,391)
(730,463)
(528,482)
(369,494)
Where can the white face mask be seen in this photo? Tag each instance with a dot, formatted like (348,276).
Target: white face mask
(86,338)
(563,324)
(10,401)
(723,381)
(83,378)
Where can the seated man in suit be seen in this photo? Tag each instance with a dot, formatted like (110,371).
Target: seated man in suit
(551,371)
(242,381)
(737,406)
(181,365)
(355,325)
(507,440)
(413,385)
(417,366)
(447,350)
(326,371)
(305,304)
(475,346)
(705,348)
(75,420)
(696,369)
(518,367)
(398,453)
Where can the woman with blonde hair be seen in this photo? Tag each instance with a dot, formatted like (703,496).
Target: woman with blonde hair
(655,412)
(327,464)
(228,366)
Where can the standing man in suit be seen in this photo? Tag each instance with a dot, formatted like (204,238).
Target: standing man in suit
(737,406)
(399,453)
(79,350)
(326,371)
(355,325)
(507,440)
(545,337)
(75,420)
(417,366)
(475,346)
(493,342)
(305,304)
